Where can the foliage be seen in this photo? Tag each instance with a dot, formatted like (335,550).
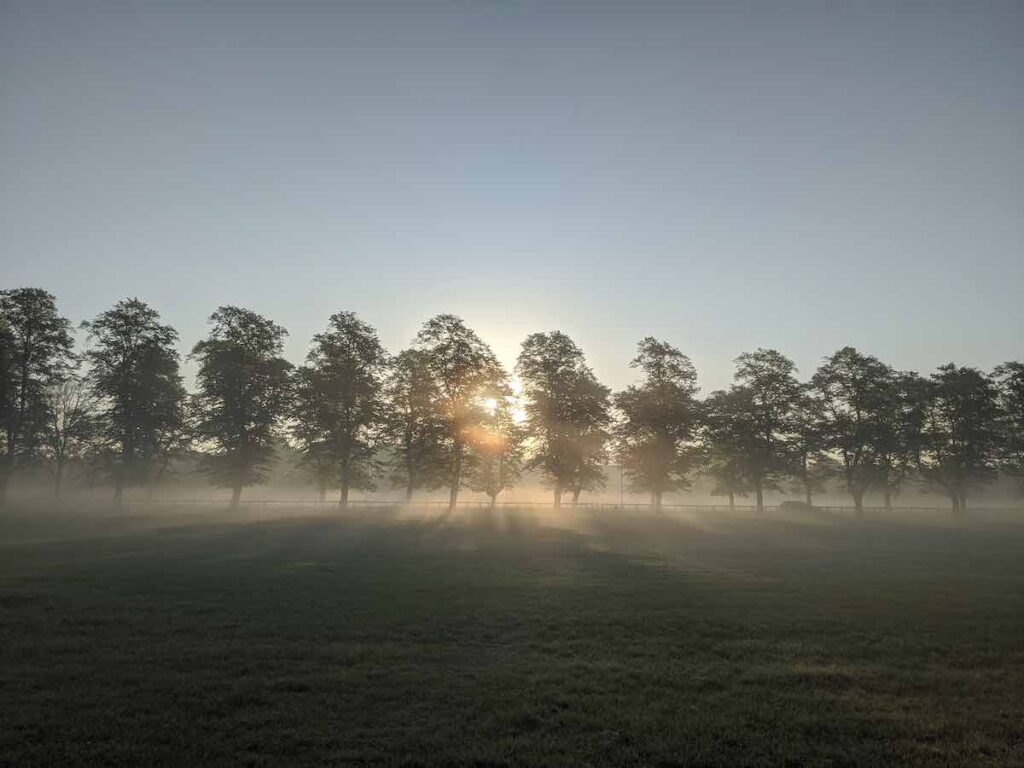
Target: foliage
(1009,380)
(35,353)
(134,374)
(71,426)
(856,393)
(567,413)
(496,455)
(243,395)
(465,374)
(414,428)
(338,407)
(656,435)
(959,447)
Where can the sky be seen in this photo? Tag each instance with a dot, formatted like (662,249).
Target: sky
(720,175)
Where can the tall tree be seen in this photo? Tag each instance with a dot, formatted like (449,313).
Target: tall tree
(339,404)
(415,429)
(753,421)
(857,393)
(134,374)
(656,436)
(959,446)
(567,414)
(730,442)
(466,373)
(243,393)
(70,426)
(812,466)
(897,428)
(35,353)
(496,455)
(1009,378)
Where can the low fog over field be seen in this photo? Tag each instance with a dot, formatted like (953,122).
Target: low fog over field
(511,383)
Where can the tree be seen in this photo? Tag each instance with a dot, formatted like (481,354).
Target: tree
(959,446)
(415,429)
(243,393)
(70,427)
(857,394)
(753,421)
(567,414)
(812,466)
(496,455)
(728,478)
(466,373)
(134,375)
(1009,378)
(35,353)
(657,432)
(588,419)
(729,442)
(339,406)
(896,435)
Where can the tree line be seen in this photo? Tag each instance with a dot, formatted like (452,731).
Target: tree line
(442,414)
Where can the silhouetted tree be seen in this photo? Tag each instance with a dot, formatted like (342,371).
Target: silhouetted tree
(134,374)
(35,352)
(415,429)
(898,428)
(857,393)
(730,447)
(465,373)
(567,414)
(753,421)
(243,393)
(959,445)
(339,401)
(496,455)
(812,466)
(722,466)
(656,436)
(1009,378)
(71,426)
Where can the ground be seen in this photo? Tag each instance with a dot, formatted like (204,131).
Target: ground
(505,639)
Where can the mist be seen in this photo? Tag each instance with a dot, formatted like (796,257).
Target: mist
(511,383)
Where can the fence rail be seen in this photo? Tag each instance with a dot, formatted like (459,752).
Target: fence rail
(366,504)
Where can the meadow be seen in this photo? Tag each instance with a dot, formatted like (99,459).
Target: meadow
(518,637)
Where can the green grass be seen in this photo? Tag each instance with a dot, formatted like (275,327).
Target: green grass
(503,641)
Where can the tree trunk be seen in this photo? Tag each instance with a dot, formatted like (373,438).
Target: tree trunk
(236,496)
(888,499)
(321,493)
(408,493)
(963,502)
(760,497)
(732,501)
(807,495)
(955,498)
(657,501)
(4,480)
(343,498)
(576,496)
(858,502)
(558,495)
(494,500)
(453,493)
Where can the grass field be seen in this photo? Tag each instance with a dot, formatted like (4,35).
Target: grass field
(505,639)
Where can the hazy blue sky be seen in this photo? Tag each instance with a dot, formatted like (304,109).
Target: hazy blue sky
(723,176)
